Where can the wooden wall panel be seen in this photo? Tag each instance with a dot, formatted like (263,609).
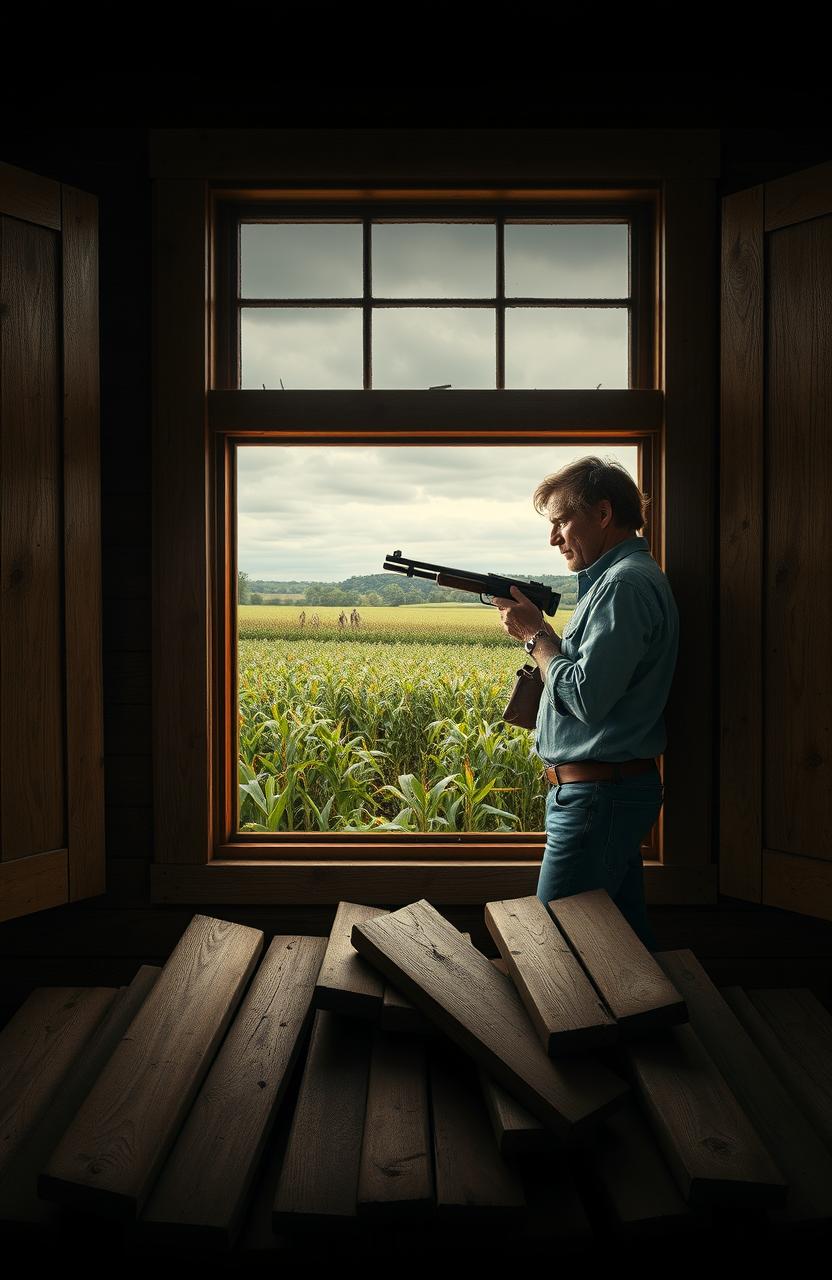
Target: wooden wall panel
(797,695)
(741,544)
(32,767)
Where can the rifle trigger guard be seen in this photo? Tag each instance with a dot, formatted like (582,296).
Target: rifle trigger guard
(491,602)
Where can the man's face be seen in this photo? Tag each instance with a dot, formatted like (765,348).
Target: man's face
(580,536)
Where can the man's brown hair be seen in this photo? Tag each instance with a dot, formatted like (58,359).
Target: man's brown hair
(579,485)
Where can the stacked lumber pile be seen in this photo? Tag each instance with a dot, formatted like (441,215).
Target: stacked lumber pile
(391,1083)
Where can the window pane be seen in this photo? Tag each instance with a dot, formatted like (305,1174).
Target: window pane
(567,261)
(301,260)
(335,714)
(419,347)
(309,348)
(434,260)
(563,347)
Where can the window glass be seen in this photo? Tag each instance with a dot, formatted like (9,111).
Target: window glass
(301,260)
(434,260)
(561,348)
(571,260)
(370,701)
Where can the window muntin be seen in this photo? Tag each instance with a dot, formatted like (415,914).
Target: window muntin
(436,307)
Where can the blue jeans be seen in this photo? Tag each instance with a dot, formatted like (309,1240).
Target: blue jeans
(593,841)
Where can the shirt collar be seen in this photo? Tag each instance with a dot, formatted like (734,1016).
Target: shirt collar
(626,548)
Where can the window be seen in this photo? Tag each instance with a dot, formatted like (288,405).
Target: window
(368,332)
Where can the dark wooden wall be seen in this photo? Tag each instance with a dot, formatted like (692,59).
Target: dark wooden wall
(103,940)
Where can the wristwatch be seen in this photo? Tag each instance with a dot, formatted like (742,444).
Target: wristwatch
(530,644)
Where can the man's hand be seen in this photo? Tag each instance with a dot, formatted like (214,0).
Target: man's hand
(522,618)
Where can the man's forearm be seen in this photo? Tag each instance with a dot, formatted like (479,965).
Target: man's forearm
(544,651)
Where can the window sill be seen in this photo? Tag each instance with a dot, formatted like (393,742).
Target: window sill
(240,881)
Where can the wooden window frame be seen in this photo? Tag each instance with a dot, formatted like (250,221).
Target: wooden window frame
(199,418)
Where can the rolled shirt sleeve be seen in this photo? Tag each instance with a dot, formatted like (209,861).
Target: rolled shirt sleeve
(616,637)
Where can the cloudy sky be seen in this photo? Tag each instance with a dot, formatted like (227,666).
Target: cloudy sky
(326,512)
(321,347)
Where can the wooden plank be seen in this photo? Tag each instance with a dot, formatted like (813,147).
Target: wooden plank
(347,983)
(396,1172)
(317,879)
(37,1048)
(682,538)
(32,777)
(82,545)
(634,1186)
(798,477)
(808,1086)
(478,1008)
(112,1151)
(516,1131)
(711,1146)
(35,883)
(562,1003)
(638,993)
(741,508)
(798,196)
(400,1014)
(556,1209)
(325,415)
(19,1199)
(202,1190)
(30,196)
(318,1183)
(182,693)
(803,1027)
(473,1181)
(792,1141)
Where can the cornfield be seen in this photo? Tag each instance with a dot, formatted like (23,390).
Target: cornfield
(384,727)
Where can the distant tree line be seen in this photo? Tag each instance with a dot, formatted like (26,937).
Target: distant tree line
(382,589)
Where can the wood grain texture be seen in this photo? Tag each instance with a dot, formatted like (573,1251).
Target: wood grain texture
(800,1143)
(82,544)
(346,982)
(798,196)
(30,197)
(629,979)
(202,1191)
(37,1048)
(564,1007)
(635,1186)
(713,1150)
(797,679)
(474,412)
(110,1156)
(318,1185)
(396,1173)
(478,1008)
(181,604)
(688,338)
(794,1144)
(35,883)
(473,1181)
(741,499)
(19,1199)
(33,772)
(400,1014)
(803,1027)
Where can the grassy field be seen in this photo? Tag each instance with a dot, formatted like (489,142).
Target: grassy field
(395,725)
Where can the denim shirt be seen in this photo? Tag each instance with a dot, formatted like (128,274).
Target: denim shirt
(604,698)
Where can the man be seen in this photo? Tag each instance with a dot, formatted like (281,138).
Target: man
(600,724)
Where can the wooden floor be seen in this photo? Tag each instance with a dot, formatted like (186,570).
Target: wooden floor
(737,944)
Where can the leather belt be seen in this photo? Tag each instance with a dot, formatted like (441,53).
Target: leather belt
(597,770)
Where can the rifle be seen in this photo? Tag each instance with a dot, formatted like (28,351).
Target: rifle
(490,584)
